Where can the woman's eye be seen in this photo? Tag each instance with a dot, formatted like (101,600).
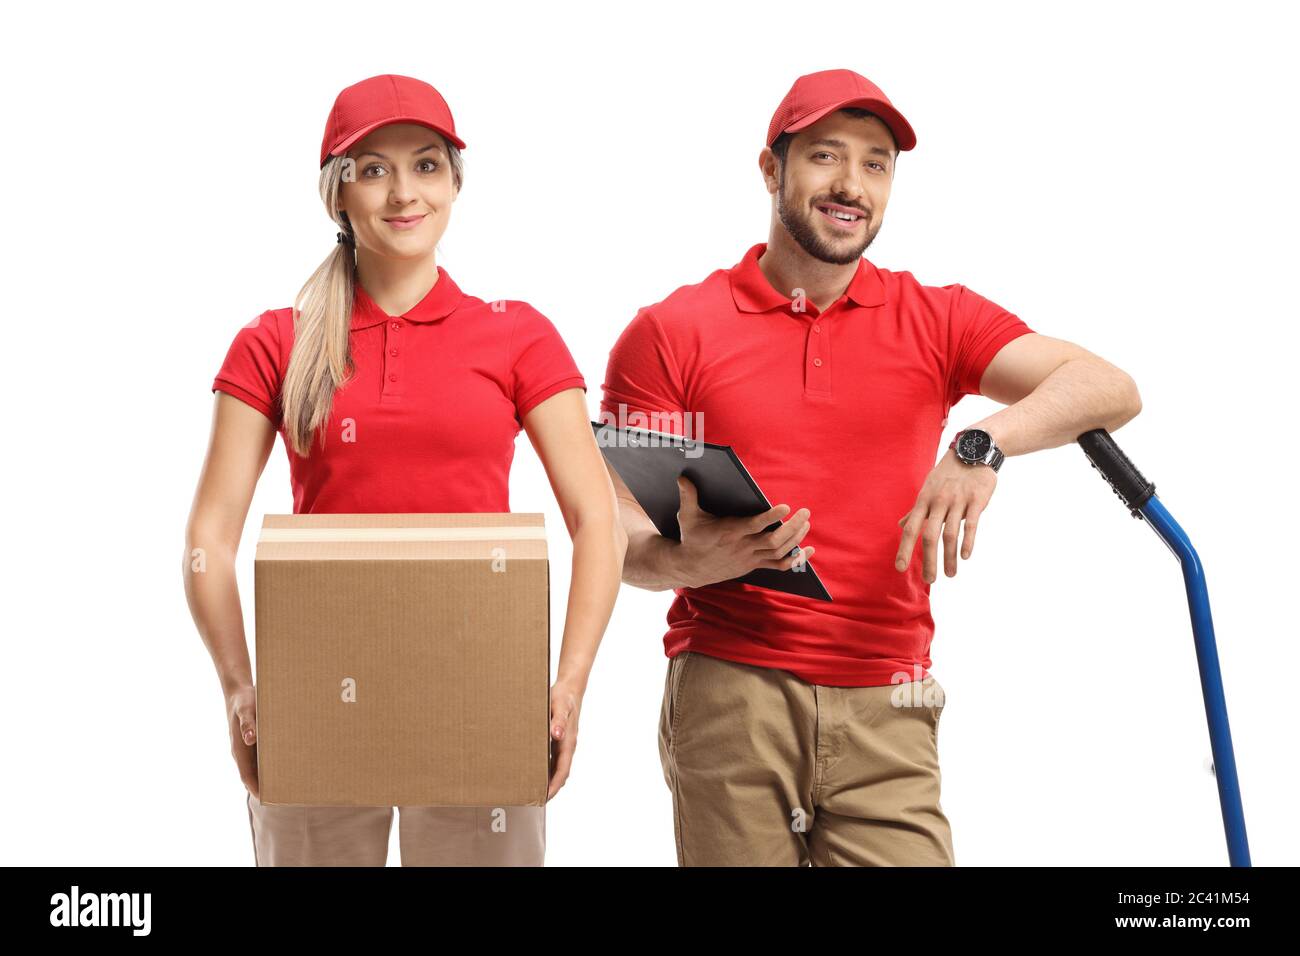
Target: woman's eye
(431,163)
(372,166)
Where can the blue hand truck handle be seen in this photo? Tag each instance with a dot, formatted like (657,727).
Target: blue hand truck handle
(1139,497)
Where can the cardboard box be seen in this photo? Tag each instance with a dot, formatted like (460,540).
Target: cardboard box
(403,659)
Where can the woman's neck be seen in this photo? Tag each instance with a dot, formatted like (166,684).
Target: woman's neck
(396,285)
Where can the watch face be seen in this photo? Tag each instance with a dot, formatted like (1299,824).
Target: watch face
(975,444)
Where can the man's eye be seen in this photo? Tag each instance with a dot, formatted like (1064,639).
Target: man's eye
(815,155)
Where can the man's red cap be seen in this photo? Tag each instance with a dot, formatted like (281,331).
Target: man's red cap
(381,100)
(816,94)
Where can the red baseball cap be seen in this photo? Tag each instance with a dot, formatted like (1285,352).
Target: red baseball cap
(380,100)
(817,94)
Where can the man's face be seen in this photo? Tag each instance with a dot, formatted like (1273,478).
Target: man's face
(832,189)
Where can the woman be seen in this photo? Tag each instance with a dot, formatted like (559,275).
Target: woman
(396,392)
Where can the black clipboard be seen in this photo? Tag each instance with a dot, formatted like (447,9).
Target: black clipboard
(649,463)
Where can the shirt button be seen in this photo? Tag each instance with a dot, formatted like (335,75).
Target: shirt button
(392,351)
(817,328)
(817,362)
(396,326)
(392,378)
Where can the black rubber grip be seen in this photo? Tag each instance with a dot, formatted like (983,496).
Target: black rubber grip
(1124,478)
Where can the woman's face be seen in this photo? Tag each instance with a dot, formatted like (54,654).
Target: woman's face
(398,195)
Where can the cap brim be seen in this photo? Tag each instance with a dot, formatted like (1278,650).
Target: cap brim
(351,141)
(899,127)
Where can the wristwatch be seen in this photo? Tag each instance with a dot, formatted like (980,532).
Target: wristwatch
(975,447)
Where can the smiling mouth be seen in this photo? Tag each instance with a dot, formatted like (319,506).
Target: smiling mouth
(843,219)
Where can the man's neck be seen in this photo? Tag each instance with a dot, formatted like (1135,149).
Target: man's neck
(788,267)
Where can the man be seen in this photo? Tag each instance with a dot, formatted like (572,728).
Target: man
(796,731)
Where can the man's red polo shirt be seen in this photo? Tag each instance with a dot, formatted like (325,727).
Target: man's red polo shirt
(428,423)
(840,412)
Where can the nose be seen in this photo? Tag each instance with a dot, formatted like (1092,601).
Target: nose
(848,185)
(401,192)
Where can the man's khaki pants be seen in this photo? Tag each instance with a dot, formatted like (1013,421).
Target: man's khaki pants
(766,769)
(430,836)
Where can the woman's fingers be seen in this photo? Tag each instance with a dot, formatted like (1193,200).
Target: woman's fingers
(562,760)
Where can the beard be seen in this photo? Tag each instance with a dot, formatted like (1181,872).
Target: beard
(800,226)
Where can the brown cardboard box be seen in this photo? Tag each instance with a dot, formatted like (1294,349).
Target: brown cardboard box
(403,659)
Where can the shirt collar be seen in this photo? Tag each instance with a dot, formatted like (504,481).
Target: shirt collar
(440,301)
(753,293)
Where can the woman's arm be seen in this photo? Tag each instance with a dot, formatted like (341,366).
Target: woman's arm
(561,433)
(239,444)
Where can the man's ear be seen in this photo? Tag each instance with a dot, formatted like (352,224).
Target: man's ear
(769,165)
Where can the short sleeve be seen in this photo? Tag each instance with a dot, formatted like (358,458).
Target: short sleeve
(540,363)
(252,371)
(977,329)
(643,382)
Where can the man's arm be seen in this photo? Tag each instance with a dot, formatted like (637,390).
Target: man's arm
(651,559)
(1054,391)
(712,548)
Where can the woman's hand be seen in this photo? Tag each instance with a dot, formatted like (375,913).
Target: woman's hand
(566,702)
(241,712)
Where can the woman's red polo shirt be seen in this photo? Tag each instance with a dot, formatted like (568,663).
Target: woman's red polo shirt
(428,423)
(840,412)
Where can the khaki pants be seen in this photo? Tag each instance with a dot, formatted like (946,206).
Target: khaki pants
(766,769)
(430,836)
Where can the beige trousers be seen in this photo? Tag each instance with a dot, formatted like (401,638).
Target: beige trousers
(766,769)
(429,836)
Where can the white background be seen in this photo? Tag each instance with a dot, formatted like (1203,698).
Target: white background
(1119,175)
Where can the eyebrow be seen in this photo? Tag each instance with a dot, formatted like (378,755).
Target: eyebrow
(422,149)
(840,144)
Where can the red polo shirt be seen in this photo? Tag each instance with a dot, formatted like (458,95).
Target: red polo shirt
(840,412)
(428,423)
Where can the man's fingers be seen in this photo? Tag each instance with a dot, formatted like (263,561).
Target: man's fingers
(930,542)
(788,563)
(968,537)
(760,521)
(951,526)
(778,542)
(911,523)
(689,498)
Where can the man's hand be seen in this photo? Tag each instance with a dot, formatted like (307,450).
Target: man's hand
(716,549)
(953,491)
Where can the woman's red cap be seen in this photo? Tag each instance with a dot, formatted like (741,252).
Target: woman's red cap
(381,100)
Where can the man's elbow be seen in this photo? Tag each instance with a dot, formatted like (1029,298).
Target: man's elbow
(1131,403)
(620,542)
(1135,397)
